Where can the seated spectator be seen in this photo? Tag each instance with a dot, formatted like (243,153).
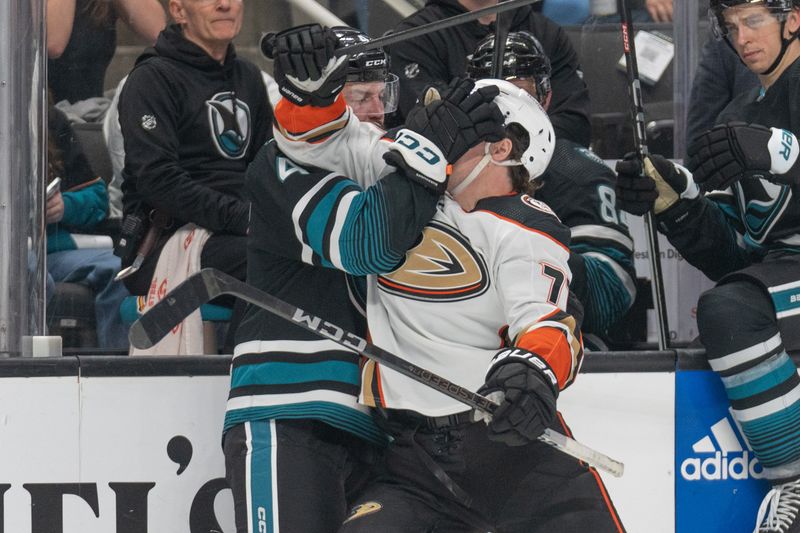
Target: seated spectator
(82,205)
(439,56)
(193,115)
(82,39)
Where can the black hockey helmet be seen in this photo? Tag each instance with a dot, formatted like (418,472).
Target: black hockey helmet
(779,9)
(717,7)
(369,65)
(524,58)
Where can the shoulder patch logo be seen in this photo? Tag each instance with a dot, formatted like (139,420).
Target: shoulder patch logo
(591,155)
(363,510)
(149,122)
(230,129)
(443,266)
(537,204)
(411,70)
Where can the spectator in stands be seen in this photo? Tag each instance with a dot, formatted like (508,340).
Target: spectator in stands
(720,76)
(577,12)
(437,57)
(193,115)
(82,205)
(82,38)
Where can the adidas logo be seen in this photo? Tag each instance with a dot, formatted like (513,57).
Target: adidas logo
(731,458)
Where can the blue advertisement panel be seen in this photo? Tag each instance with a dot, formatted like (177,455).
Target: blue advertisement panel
(718,485)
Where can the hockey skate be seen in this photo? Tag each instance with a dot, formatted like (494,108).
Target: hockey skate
(780,510)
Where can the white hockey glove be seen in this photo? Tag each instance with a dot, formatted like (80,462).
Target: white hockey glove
(662,184)
(729,152)
(306,69)
(528,390)
(418,159)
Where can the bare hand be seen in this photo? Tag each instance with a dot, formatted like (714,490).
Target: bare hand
(54,209)
(660,10)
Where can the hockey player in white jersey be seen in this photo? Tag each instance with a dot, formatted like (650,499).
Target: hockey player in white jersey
(489,271)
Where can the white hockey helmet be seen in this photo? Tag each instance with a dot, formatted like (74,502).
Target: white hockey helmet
(521,108)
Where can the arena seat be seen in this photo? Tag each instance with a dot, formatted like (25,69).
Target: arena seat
(70,313)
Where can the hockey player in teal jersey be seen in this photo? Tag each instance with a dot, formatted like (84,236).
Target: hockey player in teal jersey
(580,189)
(745,233)
(296,441)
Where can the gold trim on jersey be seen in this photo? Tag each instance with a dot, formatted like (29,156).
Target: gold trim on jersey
(442,267)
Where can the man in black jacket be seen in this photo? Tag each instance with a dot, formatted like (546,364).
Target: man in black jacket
(186,148)
(440,56)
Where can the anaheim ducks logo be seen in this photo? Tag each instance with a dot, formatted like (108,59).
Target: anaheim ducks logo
(442,267)
(363,510)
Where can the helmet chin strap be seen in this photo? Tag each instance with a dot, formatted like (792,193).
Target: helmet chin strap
(485,160)
(784,45)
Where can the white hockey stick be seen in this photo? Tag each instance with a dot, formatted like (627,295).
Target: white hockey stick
(208,284)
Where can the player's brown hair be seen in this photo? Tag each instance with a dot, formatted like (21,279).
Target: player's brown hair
(520,178)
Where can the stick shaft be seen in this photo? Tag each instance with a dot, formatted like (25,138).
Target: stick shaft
(410,33)
(640,141)
(209,284)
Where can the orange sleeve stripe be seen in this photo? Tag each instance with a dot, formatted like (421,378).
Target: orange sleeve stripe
(551,345)
(300,119)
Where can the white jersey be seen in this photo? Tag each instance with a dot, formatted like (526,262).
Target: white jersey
(475,282)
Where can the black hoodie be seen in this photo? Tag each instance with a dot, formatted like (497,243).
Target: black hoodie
(441,55)
(184,152)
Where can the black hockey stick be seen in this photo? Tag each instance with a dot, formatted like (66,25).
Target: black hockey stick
(208,284)
(498,53)
(267,39)
(640,140)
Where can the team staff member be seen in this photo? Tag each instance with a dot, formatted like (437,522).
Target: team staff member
(193,115)
(437,57)
(746,234)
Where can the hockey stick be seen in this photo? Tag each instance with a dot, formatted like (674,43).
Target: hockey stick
(208,284)
(498,53)
(640,140)
(267,48)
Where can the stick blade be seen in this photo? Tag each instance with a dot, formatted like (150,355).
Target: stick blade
(171,310)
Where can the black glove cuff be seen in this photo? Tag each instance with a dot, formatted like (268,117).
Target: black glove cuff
(675,216)
(521,355)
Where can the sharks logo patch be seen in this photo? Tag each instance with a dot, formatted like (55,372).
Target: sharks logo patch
(762,204)
(443,266)
(230,130)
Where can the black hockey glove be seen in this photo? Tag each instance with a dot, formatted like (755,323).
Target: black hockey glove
(662,184)
(729,152)
(418,159)
(460,119)
(306,69)
(529,390)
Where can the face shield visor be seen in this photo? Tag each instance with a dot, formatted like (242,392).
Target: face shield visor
(726,21)
(370,98)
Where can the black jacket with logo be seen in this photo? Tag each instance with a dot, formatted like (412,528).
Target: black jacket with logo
(441,55)
(185,153)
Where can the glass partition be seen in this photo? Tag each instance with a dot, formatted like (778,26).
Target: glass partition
(120,38)
(21,173)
